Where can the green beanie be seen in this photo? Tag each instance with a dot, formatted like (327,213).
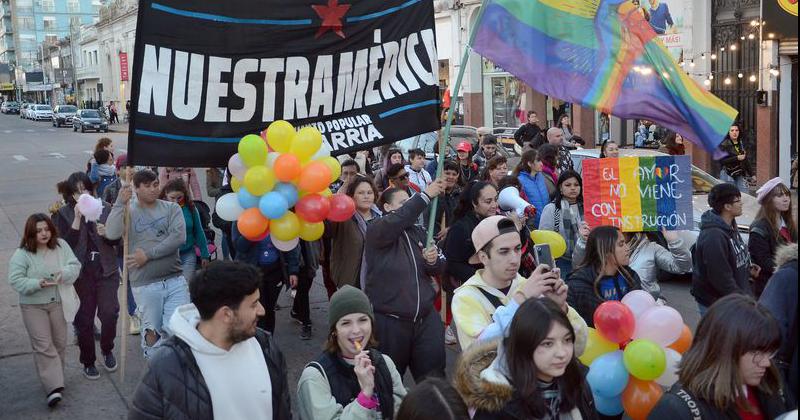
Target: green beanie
(348,300)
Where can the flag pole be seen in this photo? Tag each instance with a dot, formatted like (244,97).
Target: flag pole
(445,138)
(126,217)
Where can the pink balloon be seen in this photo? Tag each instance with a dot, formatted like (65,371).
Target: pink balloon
(638,301)
(660,324)
(236,166)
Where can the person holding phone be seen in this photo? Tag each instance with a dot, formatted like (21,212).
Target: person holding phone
(37,267)
(484,306)
(604,273)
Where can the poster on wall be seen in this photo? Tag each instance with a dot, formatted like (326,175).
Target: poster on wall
(638,194)
(672,21)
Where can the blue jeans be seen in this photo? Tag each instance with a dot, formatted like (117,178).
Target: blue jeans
(157,302)
(739,181)
(188,264)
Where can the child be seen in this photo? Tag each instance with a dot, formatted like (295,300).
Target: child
(103,170)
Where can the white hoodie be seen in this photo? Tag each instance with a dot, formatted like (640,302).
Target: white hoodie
(238,380)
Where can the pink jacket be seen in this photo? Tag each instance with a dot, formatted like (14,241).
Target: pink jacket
(168,174)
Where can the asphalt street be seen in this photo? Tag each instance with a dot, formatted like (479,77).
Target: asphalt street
(34,156)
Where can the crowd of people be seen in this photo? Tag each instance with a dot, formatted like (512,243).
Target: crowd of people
(396,301)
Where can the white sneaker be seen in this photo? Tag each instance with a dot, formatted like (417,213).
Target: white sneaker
(135,326)
(449,336)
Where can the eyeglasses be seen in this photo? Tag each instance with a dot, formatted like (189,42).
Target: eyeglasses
(758,356)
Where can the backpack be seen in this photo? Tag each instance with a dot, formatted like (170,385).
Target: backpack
(103,182)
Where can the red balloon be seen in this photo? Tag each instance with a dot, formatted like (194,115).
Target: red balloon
(312,208)
(614,321)
(342,208)
(260,238)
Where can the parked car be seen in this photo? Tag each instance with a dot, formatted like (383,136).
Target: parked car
(10,107)
(702,182)
(89,119)
(23,110)
(41,113)
(63,115)
(505,136)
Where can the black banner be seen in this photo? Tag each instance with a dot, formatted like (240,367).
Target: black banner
(206,73)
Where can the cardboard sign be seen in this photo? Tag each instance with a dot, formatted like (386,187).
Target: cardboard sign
(638,194)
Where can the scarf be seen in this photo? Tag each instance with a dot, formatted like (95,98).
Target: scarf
(550,171)
(552,398)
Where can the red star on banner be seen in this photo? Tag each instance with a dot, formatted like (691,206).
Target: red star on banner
(331,15)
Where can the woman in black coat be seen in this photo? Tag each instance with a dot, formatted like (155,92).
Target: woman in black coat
(477,202)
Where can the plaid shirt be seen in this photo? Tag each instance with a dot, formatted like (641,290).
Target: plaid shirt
(564,160)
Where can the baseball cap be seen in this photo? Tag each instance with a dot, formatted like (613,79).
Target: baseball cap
(488,229)
(464,147)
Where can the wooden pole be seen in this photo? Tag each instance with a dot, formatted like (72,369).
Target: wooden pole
(126,217)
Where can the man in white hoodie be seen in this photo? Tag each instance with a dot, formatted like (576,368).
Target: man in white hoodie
(218,364)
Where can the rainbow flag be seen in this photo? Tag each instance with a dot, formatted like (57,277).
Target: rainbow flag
(603,55)
(638,194)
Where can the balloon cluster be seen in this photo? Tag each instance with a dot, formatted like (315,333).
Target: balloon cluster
(633,352)
(280,187)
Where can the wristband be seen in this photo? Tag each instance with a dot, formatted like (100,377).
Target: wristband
(367,402)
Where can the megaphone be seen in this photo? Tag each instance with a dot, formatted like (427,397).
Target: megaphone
(509,199)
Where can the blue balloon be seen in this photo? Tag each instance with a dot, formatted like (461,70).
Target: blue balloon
(288,191)
(607,375)
(246,200)
(273,205)
(608,406)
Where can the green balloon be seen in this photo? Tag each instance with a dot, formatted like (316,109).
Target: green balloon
(644,359)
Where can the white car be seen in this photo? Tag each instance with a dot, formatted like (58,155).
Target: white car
(40,112)
(702,182)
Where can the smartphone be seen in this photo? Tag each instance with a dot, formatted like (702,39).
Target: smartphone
(542,254)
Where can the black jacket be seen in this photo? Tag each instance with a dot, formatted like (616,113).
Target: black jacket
(458,248)
(731,163)
(679,404)
(762,245)
(446,207)
(721,261)
(79,239)
(399,281)
(526,132)
(174,389)
(582,295)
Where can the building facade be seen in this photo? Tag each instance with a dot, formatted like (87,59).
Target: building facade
(116,35)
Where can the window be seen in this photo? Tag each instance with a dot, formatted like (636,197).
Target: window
(47,5)
(75,21)
(95,57)
(49,23)
(26,23)
(73,6)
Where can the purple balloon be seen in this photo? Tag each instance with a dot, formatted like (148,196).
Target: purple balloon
(639,301)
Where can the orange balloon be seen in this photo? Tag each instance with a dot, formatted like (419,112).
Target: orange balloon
(252,224)
(640,397)
(286,167)
(315,177)
(684,341)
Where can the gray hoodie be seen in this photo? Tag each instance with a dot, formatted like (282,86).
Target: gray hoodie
(159,231)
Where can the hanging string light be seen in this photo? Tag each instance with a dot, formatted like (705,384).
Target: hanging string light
(727,81)
(707,82)
(740,75)
(753,78)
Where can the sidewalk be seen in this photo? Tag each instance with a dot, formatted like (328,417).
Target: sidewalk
(118,127)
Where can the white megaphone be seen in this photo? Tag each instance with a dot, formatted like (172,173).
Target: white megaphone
(509,199)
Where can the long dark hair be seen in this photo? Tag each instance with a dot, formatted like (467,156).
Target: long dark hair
(524,165)
(732,327)
(604,146)
(68,188)
(531,325)
(601,242)
(177,185)
(28,241)
(564,177)
(433,399)
(469,198)
(548,154)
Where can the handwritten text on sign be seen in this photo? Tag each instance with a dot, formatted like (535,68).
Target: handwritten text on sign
(638,193)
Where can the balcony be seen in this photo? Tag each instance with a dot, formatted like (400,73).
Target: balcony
(87,72)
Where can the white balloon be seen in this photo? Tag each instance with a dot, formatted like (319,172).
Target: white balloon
(323,151)
(271,156)
(670,375)
(228,207)
(285,246)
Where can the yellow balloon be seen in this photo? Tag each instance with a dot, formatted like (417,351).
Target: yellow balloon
(286,228)
(326,192)
(596,346)
(280,135)
(333,164)
(557,244)
(259,180)
(252,150)
(311,231)
(236,184)
(306,143)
